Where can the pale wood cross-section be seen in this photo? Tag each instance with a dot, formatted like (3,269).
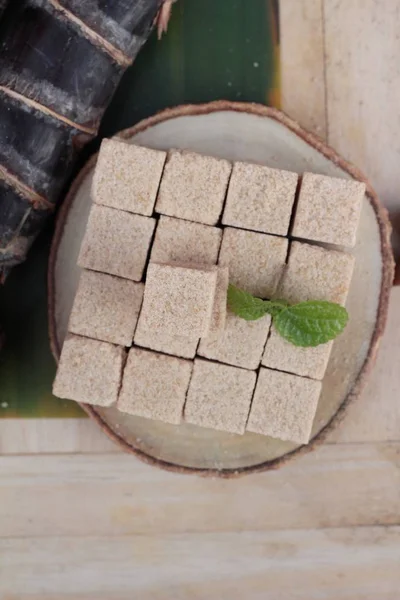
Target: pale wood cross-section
(101,525)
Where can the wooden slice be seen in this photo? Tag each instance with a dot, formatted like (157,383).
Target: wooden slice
(263,135)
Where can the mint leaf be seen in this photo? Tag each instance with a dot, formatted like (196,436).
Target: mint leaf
(244,305)
(311,323)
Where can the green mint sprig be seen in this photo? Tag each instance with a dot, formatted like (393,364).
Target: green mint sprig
(305,324)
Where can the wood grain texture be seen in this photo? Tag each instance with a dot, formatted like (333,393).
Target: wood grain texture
(362,42)
(375,415)
(337,485)
(302,63)
(43,436)
(345,564)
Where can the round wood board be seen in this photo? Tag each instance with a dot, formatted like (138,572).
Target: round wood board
(263,135)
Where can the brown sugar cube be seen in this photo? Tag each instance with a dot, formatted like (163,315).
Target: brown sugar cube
(219,396)
(328,209)
(284,406)
(89,371)
(176,345)
(154,386)
(284,356)
(314,273)
(240,344)
(106,308)
(256,260)
(178,300)
(218,315)
(260,198)
(183,241)
(193,187)
(116,242)
(127,176)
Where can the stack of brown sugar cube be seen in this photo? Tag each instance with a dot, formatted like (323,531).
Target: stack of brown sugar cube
(149,329)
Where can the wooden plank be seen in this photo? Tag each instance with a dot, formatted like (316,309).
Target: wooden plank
(375,415)
(35,436)
(337,485)
(350,564)
(302,63)
(363,88)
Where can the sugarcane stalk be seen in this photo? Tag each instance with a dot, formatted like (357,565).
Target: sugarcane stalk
(60,64)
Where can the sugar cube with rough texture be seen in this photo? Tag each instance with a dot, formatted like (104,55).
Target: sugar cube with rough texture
(106,308)
(193,187)
(284,356)
(89,371)
(328,209)
(154,386)
(218,316)
(163,342)
(184,241)
(315,273)
(241,343)
(255,260)
(127,176)
(116,242)
(260,198)
(219,396)
(178,300)
(284,406)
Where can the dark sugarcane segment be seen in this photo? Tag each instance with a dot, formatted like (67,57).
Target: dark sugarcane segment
(46,58)
(126,24)
(37,148)
(58,71)
(19,224)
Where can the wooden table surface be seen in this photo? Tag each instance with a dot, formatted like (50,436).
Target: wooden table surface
(80,520)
